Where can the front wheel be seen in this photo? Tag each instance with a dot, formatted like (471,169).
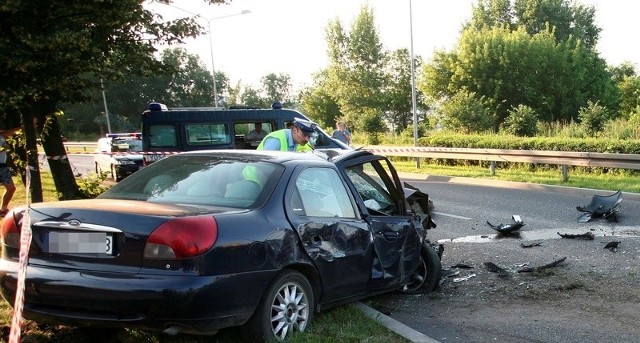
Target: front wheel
(286,306)
(114,174)
(427,277)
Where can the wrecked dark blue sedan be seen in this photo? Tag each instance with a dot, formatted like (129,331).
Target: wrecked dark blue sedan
(206,240)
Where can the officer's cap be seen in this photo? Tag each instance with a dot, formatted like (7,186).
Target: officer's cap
(305,125)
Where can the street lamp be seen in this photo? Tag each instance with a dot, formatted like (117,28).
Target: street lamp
(209,20)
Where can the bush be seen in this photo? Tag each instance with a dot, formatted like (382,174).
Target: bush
(593,117)
(466,113)
(521,121)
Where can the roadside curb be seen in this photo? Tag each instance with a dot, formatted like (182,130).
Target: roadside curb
(394,325)
(514,185)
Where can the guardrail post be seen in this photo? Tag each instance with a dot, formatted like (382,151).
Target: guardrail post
(492,168)
(565,173)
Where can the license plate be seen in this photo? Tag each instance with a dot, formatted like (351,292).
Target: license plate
(153,157)
(80,243)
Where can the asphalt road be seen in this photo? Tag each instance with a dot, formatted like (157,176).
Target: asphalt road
(556,307)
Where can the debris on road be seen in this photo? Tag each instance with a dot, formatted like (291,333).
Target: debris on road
(461,279)
(492,267)
(612,246)
(531,245)
(462,266)
(601,206)
(585,236)
(516,224)
(543,267)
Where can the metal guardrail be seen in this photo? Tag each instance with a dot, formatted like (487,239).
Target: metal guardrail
(561,158)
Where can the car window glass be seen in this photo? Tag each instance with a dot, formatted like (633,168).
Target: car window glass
(372,182)
(207,133)
(162,136)
(320,193)
(199,180)
(124,145)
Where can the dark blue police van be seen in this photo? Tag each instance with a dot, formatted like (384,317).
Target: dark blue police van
(166,131)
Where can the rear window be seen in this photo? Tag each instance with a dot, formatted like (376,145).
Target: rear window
(207,133)
(200,180)
(162,136)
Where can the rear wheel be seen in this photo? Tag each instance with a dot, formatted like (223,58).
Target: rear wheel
(286,306)
(427,277)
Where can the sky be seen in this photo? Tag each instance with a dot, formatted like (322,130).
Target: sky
(288,36)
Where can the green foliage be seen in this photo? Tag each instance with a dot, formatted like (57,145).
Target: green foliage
(629,95)
(91,185)
(277,87)
(371,123)
(318,103)
(354,76)
(511,56)
(521,121)
(593,117)
(508,142)
(467,113)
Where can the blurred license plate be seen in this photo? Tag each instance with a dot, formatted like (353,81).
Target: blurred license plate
(80,243)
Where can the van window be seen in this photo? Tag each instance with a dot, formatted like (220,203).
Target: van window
(207,133)
(163,136)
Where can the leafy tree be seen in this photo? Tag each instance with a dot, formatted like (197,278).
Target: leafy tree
(183,82)
(513,67)
(318,103)
(521,121)
(277,88)
(55,51)
(618,73)
(593,117)
(397,92)
(251,97)
(466,112)
(354,75)
(629,95)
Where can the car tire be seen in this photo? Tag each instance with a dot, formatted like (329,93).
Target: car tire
(427,276)
(280,312)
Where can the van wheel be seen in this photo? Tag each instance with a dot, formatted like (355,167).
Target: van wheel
(286,306)
(427,277)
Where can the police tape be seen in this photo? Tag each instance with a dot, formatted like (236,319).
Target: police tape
(25,244)
(144,153)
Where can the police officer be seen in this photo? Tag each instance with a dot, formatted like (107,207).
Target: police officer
(299,138)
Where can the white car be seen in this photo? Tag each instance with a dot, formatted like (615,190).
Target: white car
(119,154)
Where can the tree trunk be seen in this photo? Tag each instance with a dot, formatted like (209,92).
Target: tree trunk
(31,158)
(63,176)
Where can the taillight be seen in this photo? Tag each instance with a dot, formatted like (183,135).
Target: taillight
(11,229)
(182,238)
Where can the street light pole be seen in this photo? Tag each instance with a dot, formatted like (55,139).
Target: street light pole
(106,109)
(413,86)
(209,20)
(213,69)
